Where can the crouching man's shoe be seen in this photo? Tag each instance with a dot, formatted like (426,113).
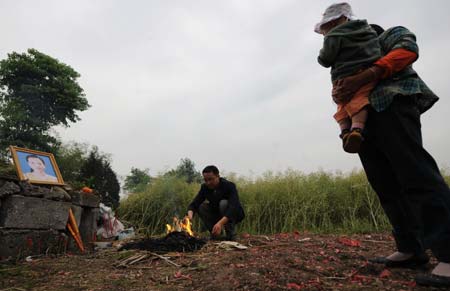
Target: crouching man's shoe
(230,231)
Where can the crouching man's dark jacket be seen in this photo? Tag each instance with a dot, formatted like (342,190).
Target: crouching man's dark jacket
(226,190)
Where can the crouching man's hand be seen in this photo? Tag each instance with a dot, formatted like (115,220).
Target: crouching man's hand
(217,229)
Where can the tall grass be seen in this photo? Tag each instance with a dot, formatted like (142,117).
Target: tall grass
(274,202)
(319,202)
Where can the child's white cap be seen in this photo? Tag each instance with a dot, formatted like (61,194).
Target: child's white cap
(334,12)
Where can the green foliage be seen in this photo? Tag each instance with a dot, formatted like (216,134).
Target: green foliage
(137,181)
(37,92)
(71,158)
(320,202)
(7,168)
(81,166)
(97,174)
(186,170)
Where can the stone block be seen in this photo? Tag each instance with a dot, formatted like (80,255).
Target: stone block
(85,199)
(77,211)
(21,243)
(88,225)
(9,188)
(33,213)
(58,194)
(33,190)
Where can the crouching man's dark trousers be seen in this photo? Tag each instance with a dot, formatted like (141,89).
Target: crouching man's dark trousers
(211,215)
(407,180)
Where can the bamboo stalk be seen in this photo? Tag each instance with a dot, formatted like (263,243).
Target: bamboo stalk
(73,222)
(75,237)
(74,225)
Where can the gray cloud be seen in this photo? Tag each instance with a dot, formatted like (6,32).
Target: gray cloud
(234,83)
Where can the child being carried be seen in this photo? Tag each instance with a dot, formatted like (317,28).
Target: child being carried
(349,47)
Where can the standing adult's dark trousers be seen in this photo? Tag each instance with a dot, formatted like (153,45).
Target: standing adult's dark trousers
(407,180)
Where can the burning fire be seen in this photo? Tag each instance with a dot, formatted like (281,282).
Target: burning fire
(179,225)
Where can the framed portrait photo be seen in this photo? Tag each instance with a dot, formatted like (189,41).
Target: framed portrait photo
(36,167)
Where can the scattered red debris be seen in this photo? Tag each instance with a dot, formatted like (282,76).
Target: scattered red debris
(179,275)
(386,273)
(282,235)
(360,278)
(294,286)
(275,262)
(246,235)
(29,243)
(349,242)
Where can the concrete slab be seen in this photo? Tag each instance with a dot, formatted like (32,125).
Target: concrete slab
(85,199)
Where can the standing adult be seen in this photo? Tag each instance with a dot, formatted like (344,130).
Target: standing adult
(217,204)
(404,175)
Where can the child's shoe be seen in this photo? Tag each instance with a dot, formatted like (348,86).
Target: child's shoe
(344,135)
(353,141)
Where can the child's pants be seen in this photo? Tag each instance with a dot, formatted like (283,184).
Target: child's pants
(358,102)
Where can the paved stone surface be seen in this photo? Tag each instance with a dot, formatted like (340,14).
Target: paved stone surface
(85,199)
(33,213)
(22,243)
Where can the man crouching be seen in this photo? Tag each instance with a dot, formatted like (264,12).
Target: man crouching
(222,208)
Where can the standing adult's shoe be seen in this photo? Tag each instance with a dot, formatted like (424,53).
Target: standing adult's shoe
(416,261)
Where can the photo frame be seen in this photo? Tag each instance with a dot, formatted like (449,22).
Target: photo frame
(35,166)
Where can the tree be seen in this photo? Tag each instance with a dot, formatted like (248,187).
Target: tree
(71,158)
(37,92)
(186,170)
(138,180)
(98,174)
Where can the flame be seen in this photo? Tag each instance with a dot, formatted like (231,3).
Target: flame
(184,224)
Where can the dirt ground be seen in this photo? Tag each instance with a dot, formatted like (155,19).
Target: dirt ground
(288,261)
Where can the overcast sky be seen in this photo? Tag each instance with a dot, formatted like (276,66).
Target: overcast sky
(234,83)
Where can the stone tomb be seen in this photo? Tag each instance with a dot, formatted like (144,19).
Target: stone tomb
(33,218)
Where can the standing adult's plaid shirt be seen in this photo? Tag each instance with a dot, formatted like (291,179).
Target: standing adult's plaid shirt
(406,82)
